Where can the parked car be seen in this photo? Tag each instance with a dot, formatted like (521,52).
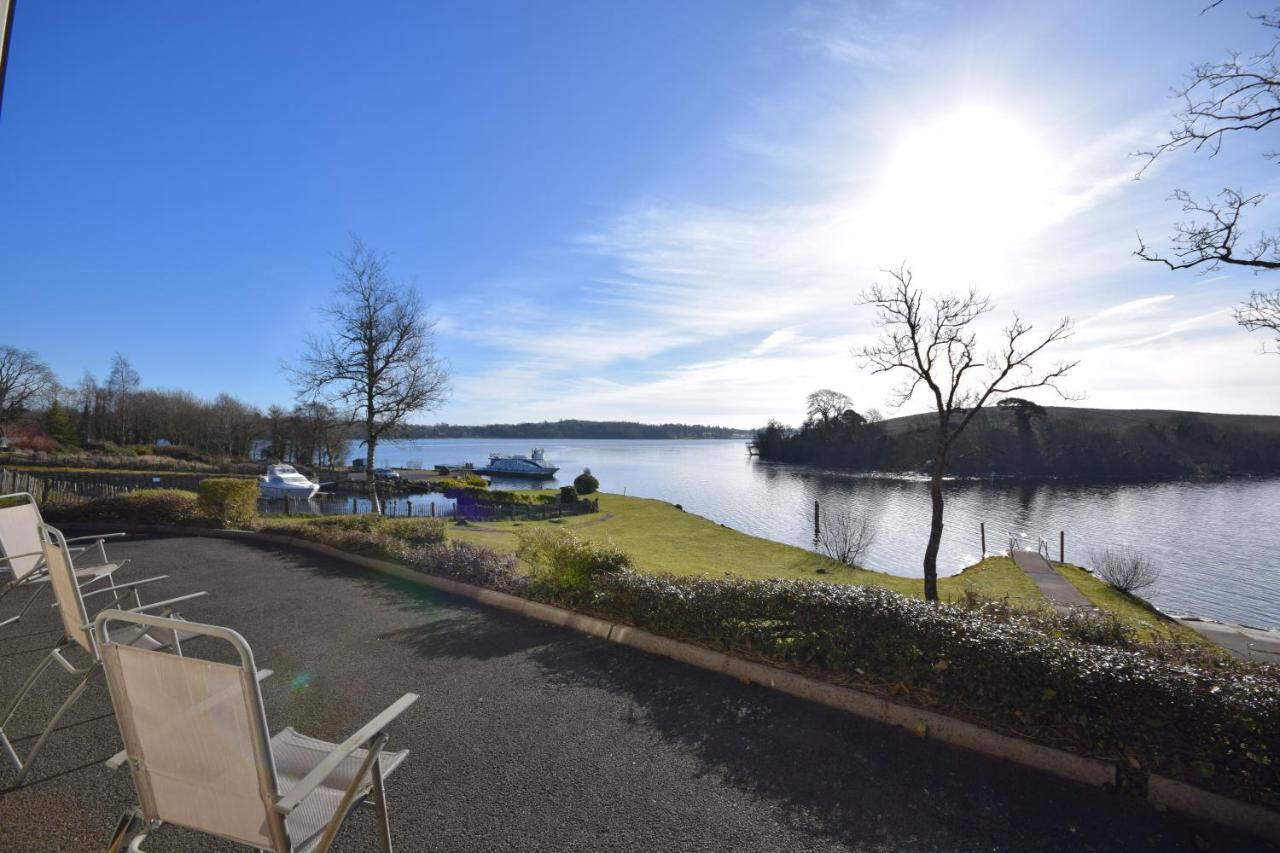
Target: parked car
(386,474)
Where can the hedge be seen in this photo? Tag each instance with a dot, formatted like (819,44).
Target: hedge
(148,506)
(230,500)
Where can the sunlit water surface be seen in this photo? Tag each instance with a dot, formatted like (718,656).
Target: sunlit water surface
(1217,542)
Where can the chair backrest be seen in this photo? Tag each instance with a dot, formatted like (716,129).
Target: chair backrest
(196,735)
(62,577)
(20,534)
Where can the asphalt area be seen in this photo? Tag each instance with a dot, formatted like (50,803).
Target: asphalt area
(533,737)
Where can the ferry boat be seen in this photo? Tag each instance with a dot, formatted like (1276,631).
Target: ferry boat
(519,465)
(284,481)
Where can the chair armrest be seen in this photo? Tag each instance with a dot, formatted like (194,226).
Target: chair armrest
(98,538)
(144,608)
(124,586)
(117,761)
(4,559)
(321,771)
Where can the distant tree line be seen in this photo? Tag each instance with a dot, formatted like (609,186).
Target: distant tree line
(37,412)
(1017,438)
(572,429)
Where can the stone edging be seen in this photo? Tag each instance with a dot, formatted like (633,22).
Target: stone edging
(1161,792)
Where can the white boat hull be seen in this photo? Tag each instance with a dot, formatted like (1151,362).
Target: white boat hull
(276,491)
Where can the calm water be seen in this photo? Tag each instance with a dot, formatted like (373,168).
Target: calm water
(1218,543)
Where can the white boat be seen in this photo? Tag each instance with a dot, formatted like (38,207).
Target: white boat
(519,465)
(284,481)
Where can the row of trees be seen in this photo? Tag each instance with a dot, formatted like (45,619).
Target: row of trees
(38,409)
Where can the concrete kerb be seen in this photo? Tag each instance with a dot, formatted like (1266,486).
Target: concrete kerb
(1162,793)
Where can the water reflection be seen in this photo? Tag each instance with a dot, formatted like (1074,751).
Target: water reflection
(1216,541)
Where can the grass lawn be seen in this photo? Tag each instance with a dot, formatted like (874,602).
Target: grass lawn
(1133,611)
(661,538)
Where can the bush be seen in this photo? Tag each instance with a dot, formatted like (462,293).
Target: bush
(1124,568)
(585,483)
(561,560)
(568,494)
(414,531)
(148,506)
(232,501)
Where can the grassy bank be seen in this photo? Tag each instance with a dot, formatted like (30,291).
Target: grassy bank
(661,538)
(1148,622)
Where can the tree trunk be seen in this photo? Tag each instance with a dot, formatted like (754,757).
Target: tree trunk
(935,530)
(370,480)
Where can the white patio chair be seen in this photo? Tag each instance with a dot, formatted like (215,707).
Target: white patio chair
(75,621)
(197,744)
(22,560)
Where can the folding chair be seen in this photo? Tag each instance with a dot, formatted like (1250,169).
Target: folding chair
(75,621)
(197,744)
(21,555)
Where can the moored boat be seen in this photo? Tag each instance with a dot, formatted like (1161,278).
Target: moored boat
(284,481)
(518,465)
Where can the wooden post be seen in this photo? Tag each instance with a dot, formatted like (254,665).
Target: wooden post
(815,519)
(409,505)
(982,525)
(1062,546)
(433,509)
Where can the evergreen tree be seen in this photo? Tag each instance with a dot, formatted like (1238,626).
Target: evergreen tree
(57,425)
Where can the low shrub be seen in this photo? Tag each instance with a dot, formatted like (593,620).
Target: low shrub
(232,501)
(469,563)
(1125,569)
(586,483)
(148,506)
(414,531)
(409,531)
(568,494)
(561,560)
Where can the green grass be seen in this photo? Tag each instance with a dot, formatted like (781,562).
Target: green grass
(661,538)
(1146,621)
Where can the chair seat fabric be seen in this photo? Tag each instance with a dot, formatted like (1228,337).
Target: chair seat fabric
(295,755)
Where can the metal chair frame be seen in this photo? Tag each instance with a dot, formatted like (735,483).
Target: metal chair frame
(38,576)
(54,539)
(276,805)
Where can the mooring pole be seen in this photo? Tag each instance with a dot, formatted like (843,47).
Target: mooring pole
(982,526)
(1062,546)
(816,516)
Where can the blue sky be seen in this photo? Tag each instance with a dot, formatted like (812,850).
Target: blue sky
(652,211)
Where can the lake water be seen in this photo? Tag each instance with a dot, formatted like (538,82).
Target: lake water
(1218,543)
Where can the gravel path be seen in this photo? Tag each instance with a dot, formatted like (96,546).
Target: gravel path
(531,737)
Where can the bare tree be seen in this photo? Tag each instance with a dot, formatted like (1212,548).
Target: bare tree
(1125,569)
(1240,93)
(1262,312)
(25,382)
(378,364)
(824,406)
(935,345)
(844,537)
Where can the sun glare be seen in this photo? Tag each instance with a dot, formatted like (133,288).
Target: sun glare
(966,189)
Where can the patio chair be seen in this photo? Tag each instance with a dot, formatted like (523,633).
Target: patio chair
(22,559)
(75,621)
(197,744)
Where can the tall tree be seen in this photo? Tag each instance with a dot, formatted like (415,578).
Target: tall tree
(25,382)
(378,363)
(122,383)
(933,342)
